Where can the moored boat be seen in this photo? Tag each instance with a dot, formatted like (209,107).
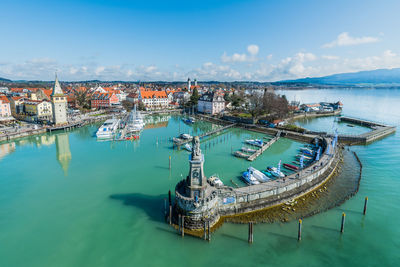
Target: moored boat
(240,154)
(135,121)
(261,177)
(188,147)
(290,167)
(247,149)
(108,129)
(215,181)
(249,178)
(274,172)
(255,142)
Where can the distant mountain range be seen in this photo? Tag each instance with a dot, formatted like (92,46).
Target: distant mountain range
(380,76)
(4,80)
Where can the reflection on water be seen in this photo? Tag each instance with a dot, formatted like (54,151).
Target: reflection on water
(63,151)
(6,149)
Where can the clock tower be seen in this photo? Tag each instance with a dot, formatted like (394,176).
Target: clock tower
(196,180)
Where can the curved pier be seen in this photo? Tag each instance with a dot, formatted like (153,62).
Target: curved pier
(201,203)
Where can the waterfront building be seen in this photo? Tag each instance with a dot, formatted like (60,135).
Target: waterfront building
(153,99)
(17,105)
(103,100)
(38,110)
(211,103)
(59,104)
(5,108)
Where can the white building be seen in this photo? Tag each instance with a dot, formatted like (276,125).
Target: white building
(211,103)
(154,99)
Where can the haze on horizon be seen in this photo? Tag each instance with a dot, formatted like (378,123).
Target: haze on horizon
(227,40)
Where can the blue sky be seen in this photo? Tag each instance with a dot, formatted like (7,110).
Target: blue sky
(208,40)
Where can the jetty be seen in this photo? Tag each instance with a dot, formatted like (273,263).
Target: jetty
(179,141)
(379,130)
(264,147)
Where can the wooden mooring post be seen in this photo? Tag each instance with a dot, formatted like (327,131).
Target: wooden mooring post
(179,222)
(299,231)
(209,232)
(250,232)
(205,231)
(343,220)
(183,226)
(365,205)
(170,207)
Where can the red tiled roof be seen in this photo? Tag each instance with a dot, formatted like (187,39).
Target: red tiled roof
(4,99)
(153,94)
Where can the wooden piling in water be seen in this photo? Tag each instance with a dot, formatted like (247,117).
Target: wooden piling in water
(250,232)
(170,214)
(299,231)
(205,231)
(343,220)
(183,226)
(209,232)
(179,222)
(365,205)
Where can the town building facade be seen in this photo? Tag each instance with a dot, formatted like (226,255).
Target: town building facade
(153,99)
(5,108)
(211,103)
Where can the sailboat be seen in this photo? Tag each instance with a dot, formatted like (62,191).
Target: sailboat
(135,121)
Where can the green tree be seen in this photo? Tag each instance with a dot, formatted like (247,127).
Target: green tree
(194,98)
(82,98)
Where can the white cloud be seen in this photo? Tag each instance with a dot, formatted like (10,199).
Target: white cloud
(236,57)
(253,49)
(302,64)
(344,39)
(329,57)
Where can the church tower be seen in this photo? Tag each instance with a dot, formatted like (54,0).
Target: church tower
(59,102)
(189,85)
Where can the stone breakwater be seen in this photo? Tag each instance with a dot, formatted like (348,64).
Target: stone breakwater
(227,201)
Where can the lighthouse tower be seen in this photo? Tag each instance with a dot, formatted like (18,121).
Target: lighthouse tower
(195,198)
(195,82)
(189,84)
(59,103)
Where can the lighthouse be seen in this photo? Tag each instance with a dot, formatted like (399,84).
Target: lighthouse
(195,197)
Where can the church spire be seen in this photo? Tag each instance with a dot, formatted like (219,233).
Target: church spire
(57,88)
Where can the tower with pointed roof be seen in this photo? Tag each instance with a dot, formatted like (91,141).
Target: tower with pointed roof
(59,102)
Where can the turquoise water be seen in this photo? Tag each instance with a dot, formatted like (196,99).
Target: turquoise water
(68,200)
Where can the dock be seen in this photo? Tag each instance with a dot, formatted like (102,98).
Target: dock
(379,130)
(180,141)
(264,147)
(68,126)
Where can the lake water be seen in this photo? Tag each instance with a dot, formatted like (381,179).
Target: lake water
(69,200)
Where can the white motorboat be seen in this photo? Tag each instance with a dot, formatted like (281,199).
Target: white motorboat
(135,121)
(249,150)
(185,136)
(215,181)
(108,129)
(274,172)
(255,142)
(188,147)
(249,178)
(261,177)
